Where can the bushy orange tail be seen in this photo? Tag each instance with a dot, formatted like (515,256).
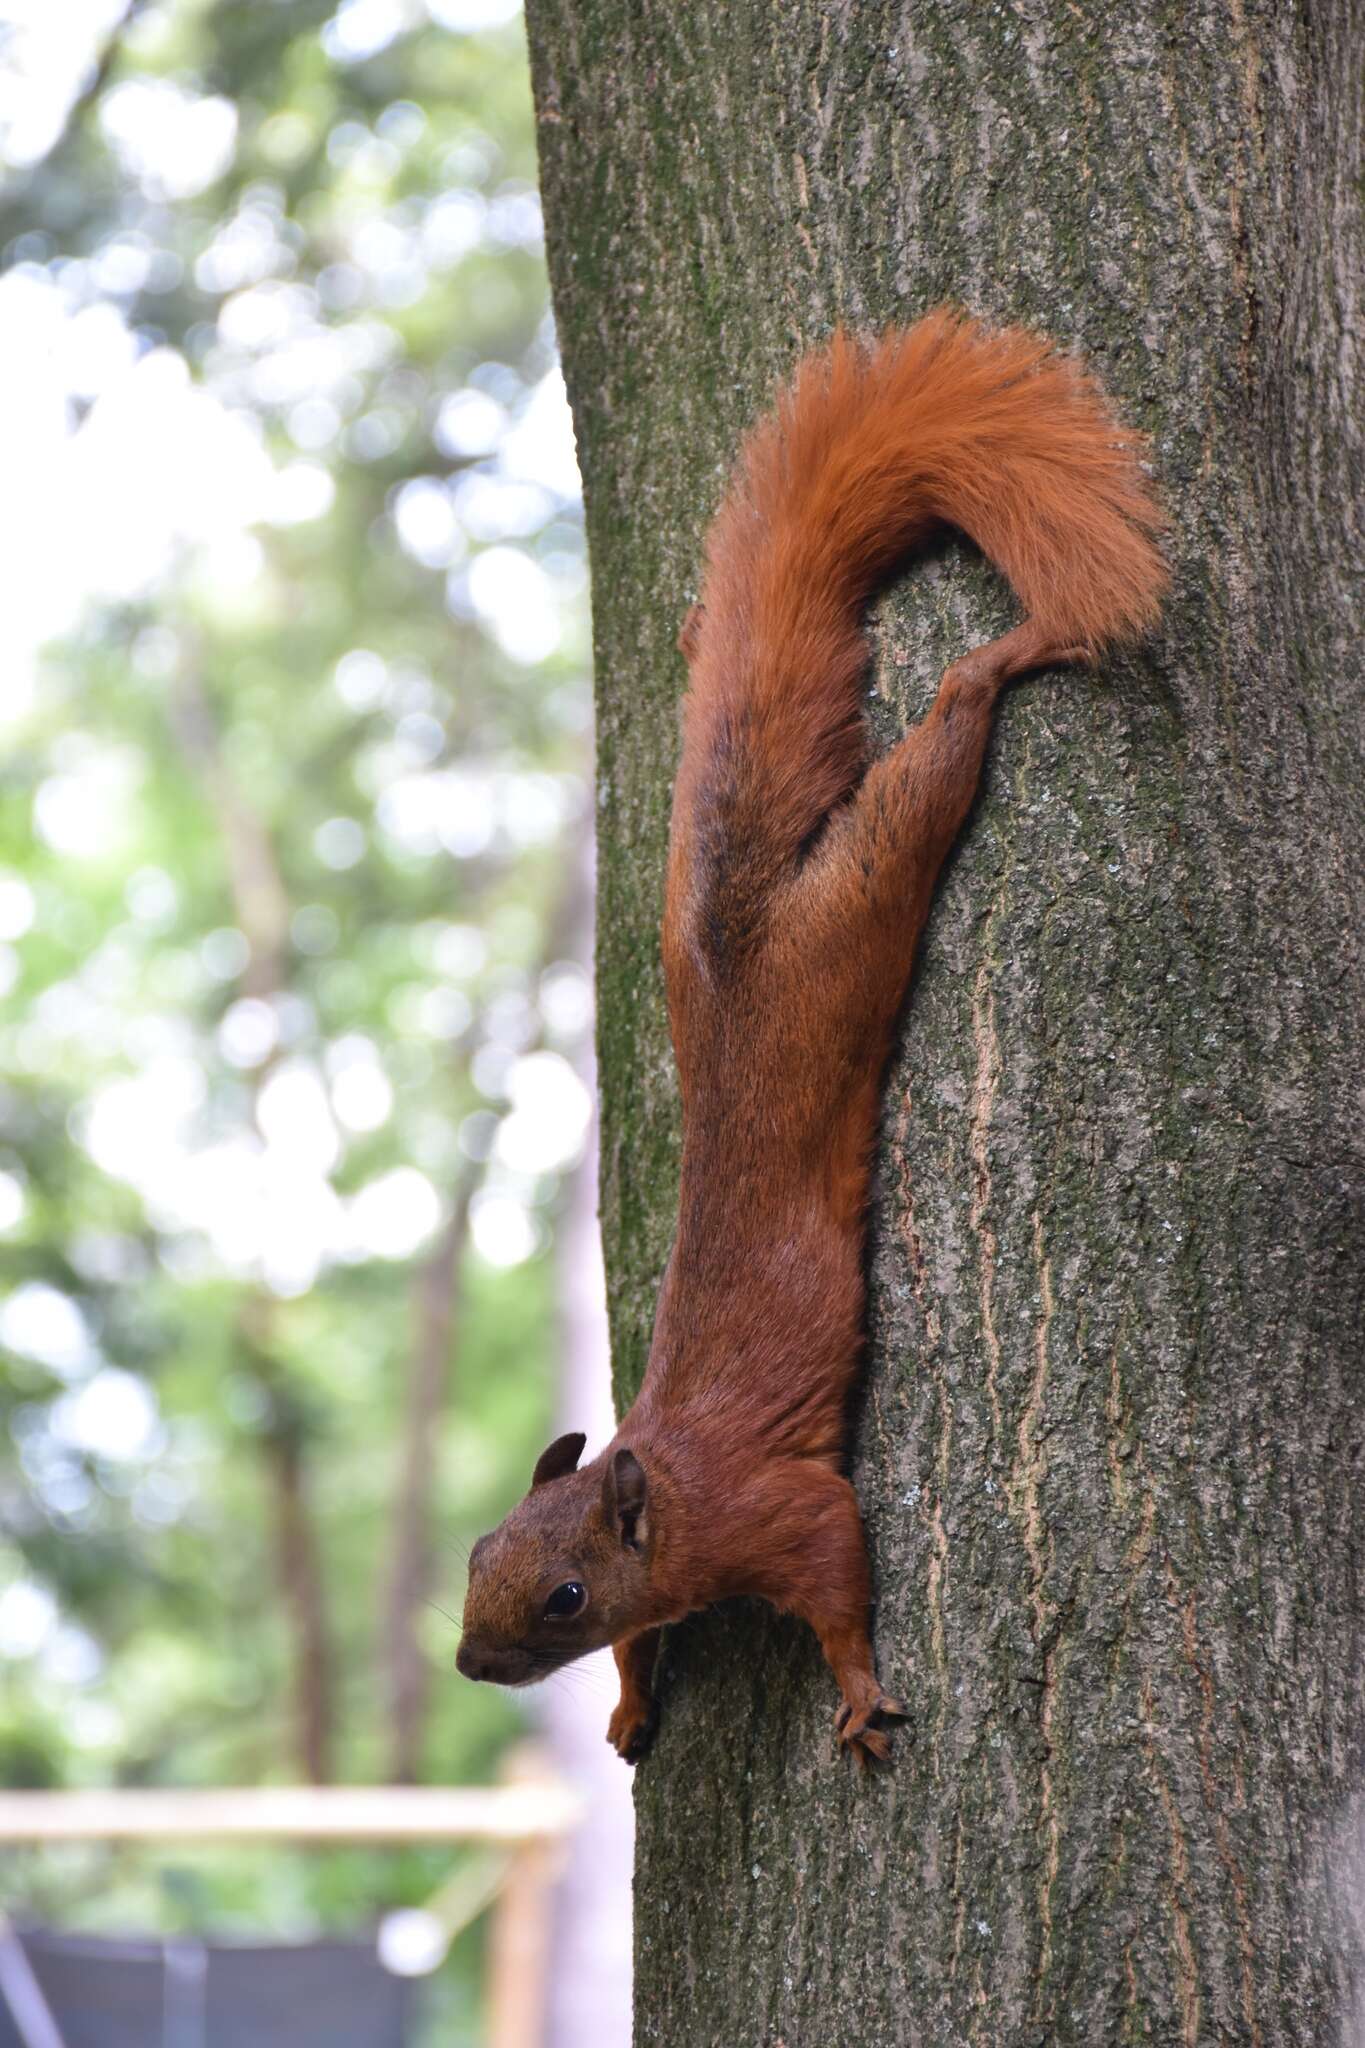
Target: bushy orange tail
(868,450)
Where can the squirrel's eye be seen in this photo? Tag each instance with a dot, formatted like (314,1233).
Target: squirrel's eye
(566,1601)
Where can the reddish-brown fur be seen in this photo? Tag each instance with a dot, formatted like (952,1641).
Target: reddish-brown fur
(799,879)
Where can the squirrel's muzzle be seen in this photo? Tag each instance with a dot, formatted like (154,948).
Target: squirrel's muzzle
(499,1667)
(471,1663)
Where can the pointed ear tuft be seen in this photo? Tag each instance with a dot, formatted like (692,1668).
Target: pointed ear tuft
(561,1457)
(625,1500)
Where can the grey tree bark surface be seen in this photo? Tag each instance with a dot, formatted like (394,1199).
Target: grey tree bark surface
(1110,1446)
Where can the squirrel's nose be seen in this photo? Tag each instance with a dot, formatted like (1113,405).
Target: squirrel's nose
(470,1663)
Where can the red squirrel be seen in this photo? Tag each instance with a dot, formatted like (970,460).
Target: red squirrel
(799,878)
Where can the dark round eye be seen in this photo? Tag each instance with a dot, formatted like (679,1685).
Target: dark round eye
(566,1601)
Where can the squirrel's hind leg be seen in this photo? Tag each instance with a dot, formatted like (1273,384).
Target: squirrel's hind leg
(912,802)
(887,846)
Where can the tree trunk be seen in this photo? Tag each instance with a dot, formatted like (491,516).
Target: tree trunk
(1109,1453)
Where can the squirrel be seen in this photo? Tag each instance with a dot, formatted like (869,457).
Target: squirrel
(799,878)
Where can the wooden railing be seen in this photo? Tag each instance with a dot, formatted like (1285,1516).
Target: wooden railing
(524,1823)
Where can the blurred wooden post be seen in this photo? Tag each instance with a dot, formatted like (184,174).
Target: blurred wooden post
(519,1937)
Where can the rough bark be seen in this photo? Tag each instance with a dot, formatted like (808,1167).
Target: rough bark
(1109,1452)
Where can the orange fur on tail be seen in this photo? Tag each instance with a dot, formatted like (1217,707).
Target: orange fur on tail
(869,449)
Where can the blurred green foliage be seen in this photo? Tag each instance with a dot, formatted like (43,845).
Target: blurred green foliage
(287,832)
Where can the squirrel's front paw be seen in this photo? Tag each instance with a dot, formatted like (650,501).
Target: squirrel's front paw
(632,1727)
(857,1733)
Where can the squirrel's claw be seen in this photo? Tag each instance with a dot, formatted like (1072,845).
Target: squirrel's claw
(856,1733)
(631,1731)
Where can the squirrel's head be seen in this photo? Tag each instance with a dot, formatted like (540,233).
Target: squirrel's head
(567,1572)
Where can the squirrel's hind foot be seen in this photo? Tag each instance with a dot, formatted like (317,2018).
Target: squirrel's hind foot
(868,1743)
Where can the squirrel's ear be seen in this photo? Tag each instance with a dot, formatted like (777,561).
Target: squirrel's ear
(561,1457)
(625,1500)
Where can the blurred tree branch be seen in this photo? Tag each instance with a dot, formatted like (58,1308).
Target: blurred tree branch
(105,65)
(259,897)
(17,194)
(407,1669)
(284,1441)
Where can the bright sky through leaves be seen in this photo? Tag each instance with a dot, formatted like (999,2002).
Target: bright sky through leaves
(293,715)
